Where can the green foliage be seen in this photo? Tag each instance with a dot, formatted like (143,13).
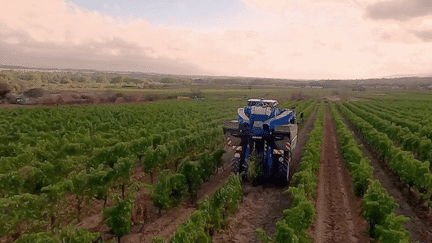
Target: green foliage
(360,174)
(116,80)
(65,236)
(118,217)
(254,168)
(377,204)
(193,230)
(263,237)
(87,152)
(296,220)
(157,239)
(4,89)
(391,229)
(31,208)
(361,170)
(169,190)
(206,165)
(101,79)
(168,80)
(65,80)
(212,213)
(305,177)
(133,80)
(192,173)
(217,157)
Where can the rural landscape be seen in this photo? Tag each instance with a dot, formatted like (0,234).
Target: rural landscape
(226,121)
(144,159)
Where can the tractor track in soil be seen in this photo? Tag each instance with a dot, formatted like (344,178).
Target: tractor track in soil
(338,211)
(420,224)
(263,205)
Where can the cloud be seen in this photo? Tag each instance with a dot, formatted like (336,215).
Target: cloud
(425,35)
(399,10)
(63,34)
(310,39)
(276,6)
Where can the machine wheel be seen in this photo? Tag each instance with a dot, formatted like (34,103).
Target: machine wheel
(282,173)
(235,165)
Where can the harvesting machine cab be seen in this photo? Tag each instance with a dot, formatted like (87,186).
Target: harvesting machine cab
(265,131)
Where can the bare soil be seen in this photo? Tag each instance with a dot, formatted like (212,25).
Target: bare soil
(263,205)
(420,224)
(338,211)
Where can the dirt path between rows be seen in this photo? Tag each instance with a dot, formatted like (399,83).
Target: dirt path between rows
(420,224)
(263,205)
(338,211)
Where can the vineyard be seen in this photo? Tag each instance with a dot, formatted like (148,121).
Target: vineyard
(160,172)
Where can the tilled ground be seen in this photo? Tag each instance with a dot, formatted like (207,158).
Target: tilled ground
(420,224)
(338,211)
(263,205)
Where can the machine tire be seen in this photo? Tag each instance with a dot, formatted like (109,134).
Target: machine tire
(282,173)
(235,165)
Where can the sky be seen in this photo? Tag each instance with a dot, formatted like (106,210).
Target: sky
(289,39)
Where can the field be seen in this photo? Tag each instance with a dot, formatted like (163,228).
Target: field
(159,171)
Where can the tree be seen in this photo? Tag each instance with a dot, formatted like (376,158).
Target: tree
(82,79)
(133,80)
(168,80)
(4,89)
(116,80)
(101,79)
(64,80)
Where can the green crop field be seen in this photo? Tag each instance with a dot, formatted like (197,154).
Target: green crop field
(59,163)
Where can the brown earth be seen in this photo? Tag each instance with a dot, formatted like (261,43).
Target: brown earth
(338,211)
(263,205)
(420,224)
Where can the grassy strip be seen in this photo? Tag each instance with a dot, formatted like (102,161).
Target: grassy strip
(378,205)
(295,221)
(212,213)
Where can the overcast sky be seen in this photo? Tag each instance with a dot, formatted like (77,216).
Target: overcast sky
(298,39)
